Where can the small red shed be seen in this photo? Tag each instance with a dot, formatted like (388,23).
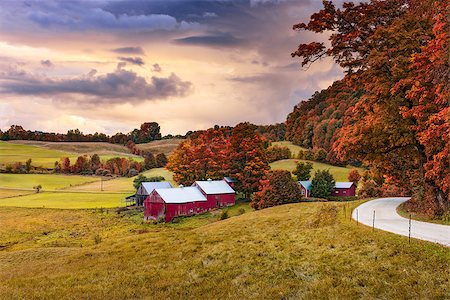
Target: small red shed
(171,203)
(217,192)
(344,189)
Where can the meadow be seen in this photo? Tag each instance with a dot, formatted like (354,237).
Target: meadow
(301,251)
(339,173)
(45,156)
(295,149)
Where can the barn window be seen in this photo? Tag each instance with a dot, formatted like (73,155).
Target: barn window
(345,192)
(303,192)
(337,192)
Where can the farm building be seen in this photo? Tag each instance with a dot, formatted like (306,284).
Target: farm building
(341,189)
(305,186)
(147,187)
(217,192)
(171,203)
(344,189)
(231,181)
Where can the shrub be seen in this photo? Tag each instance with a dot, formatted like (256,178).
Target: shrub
(141,178)
(241,211)
(160,160)
(279,188)
(320,155)
(224,215)
(303,170)
(322,184)
(275,153)
(369,189)
(132,173)
(37,188)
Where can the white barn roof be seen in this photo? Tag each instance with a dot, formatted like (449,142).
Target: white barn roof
(147,187)
(181,195)
(214,187)
(343,185)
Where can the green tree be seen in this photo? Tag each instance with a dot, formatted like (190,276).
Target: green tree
(303,170)
(322,184)
(141,178)
(28,165)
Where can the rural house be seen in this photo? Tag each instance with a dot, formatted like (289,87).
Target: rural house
(231,181)
(344,189)
(146,188)
(171,203)
(305,187)
(217,192)
(341,189)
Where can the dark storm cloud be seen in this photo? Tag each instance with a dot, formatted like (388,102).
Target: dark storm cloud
(222,39)
(132,60)
(129,50)
(46,63)
(112,87)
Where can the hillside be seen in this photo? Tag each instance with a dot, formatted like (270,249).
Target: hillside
(295,149)
(293,251)
(339,173)
(160,146)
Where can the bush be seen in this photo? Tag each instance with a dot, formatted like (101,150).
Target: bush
(241,211)
(369,189)
(224,215)
(277,153)
(320,155)
(279,188)
(132,173)
(303,170)
(322,184)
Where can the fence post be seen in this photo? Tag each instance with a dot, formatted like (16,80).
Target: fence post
(373,222)
(357,222)
(409,235)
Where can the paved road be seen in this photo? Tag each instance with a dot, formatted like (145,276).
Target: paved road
(386,218)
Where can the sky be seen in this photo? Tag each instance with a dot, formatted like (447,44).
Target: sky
(108,66)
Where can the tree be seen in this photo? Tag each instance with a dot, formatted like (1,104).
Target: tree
(65,165)
(322,184)
(28,165)
(354,176)
(303,170)
(248,163)
(141,178)
(275,153)
(95,162)
(149,160)
(160,160)
(37,188)
(278,188)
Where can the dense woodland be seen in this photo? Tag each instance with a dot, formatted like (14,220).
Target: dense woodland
(391,110)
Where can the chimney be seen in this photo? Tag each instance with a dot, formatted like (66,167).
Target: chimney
(181,186)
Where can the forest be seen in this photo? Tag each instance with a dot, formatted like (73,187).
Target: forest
(391,110)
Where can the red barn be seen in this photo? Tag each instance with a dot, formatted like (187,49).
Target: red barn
(217,192)
(171,203)
(231,181)
(344,189)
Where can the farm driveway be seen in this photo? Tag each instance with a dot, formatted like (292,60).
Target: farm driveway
(387,218)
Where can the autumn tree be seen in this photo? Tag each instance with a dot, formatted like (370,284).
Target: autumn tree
(149,160)
(28,165)
(275,153)
(277,188)
(247,157)
(303,170)
(354,176)
(65,165)
(160,160)
(322,184)
(95,162)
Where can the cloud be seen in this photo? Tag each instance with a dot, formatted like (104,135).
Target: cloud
(116,87)
(129,50)
(156,68)
(46,63)
(221,39)
(132,60)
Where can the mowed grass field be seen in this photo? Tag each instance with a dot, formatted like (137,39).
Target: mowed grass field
(339,173)
(294,148)
(296,251)
(47,181)
(45,157)
(161,146)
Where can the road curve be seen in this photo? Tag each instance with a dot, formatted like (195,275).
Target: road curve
(387,218)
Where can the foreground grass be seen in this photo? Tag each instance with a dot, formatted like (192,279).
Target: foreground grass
(66,200)
(307,251)
(339,173)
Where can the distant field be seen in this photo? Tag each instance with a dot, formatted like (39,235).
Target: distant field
(294,148)
(47,181)
(79,147)
(66,200)
(161,146)
(339,173)
(6,193)
(45,157)
(123,184)
(296,251)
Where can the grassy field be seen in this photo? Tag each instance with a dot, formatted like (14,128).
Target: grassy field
(339,173)
(161,146)
(47,181)
(6,193)
(298,251)
(294,148)
(66,200)
(46,157)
